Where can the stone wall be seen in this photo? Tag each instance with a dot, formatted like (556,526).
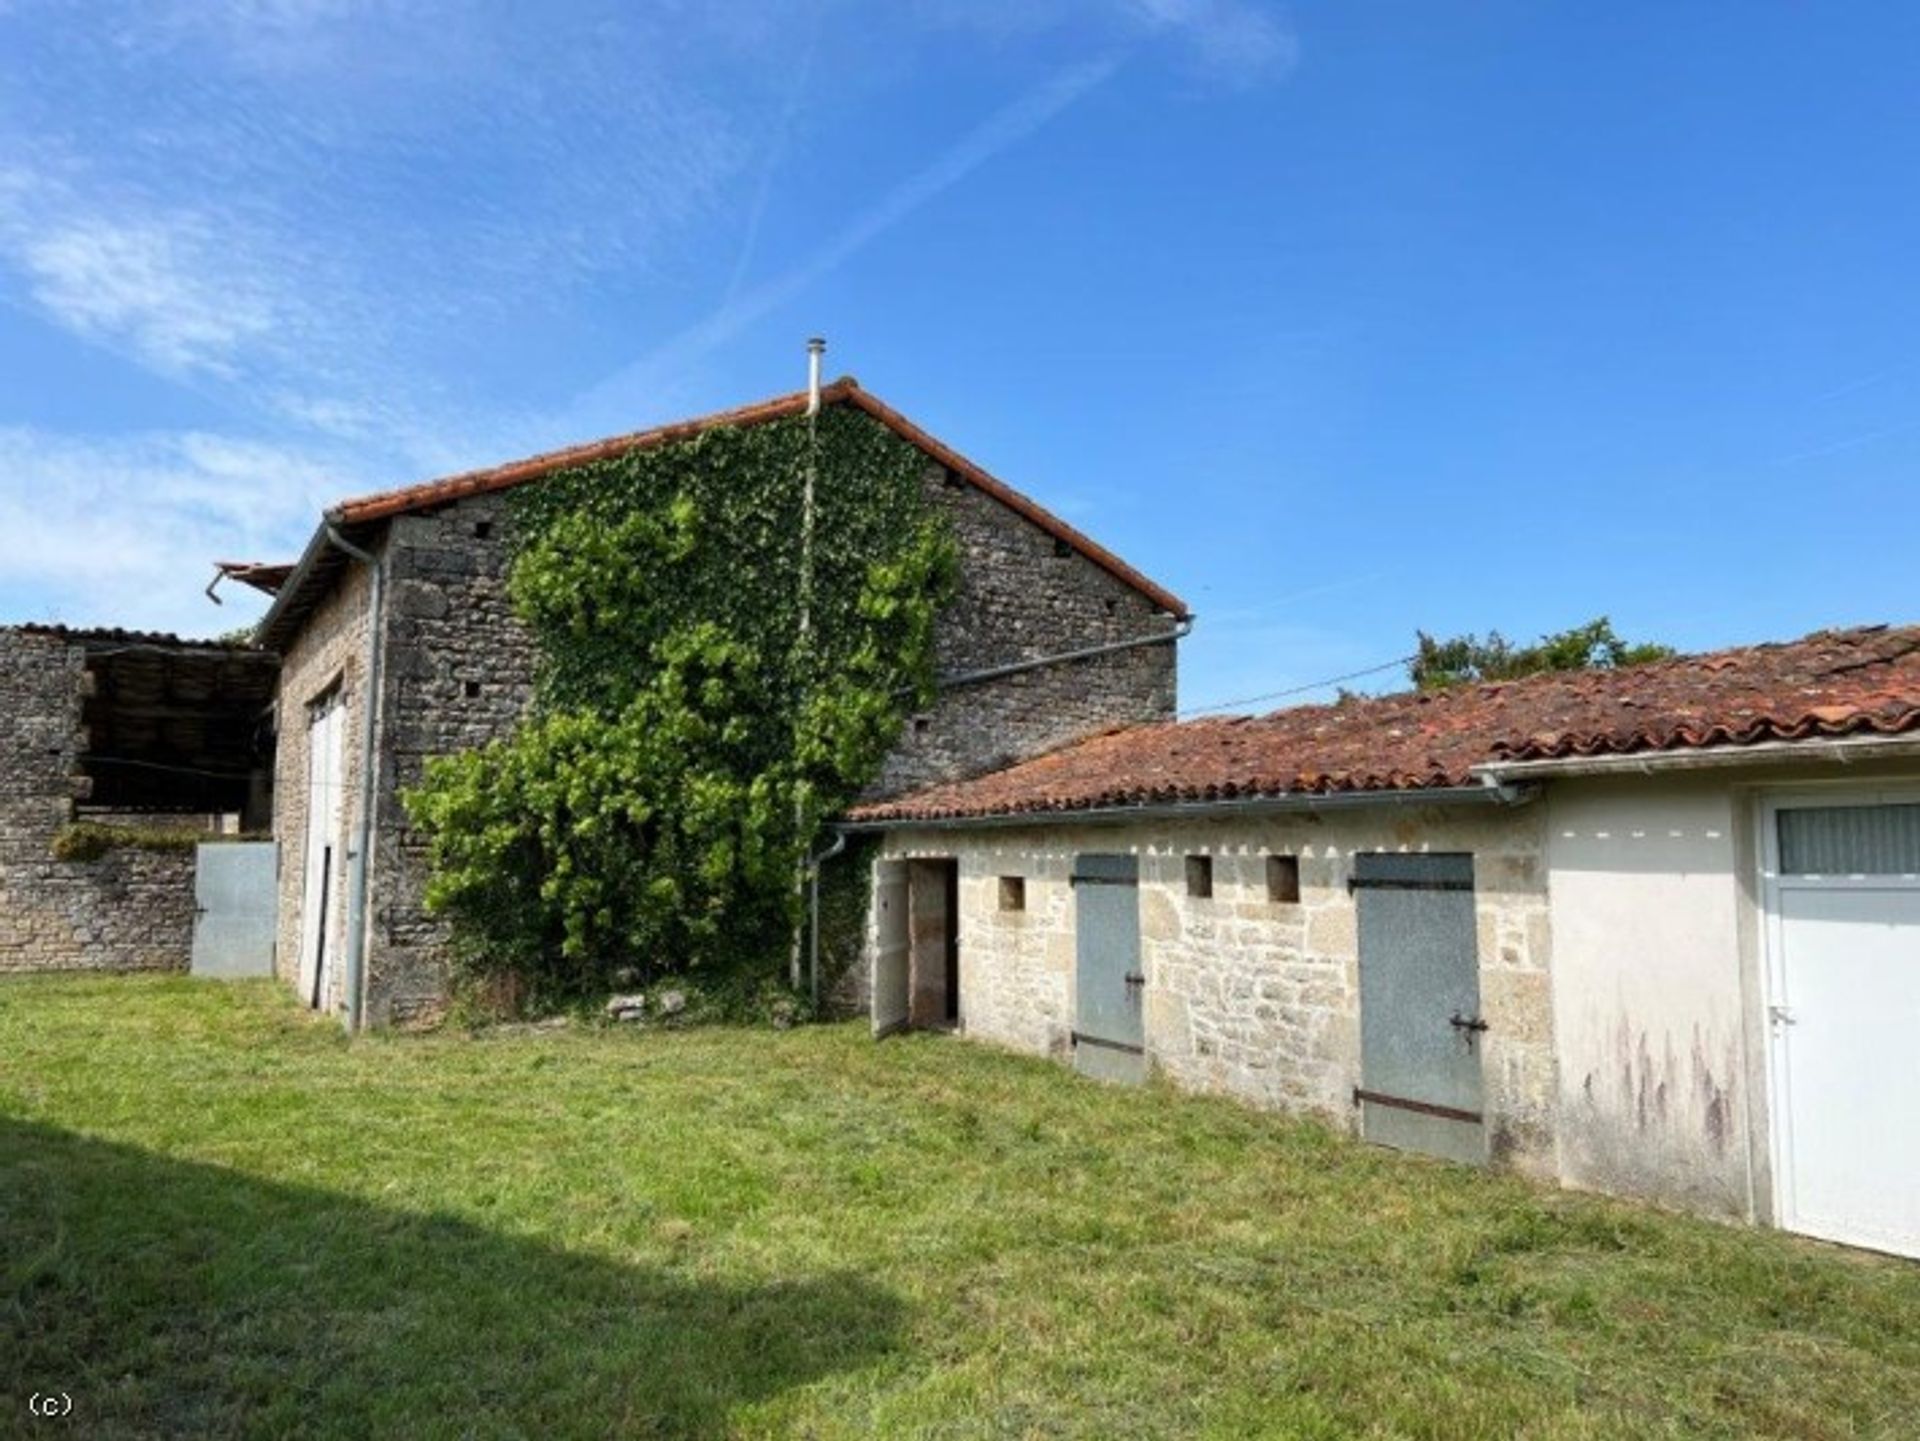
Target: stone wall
(459,671)
(1249,997)
(130,910)
(1016,966)
(1019,598)
(329,652)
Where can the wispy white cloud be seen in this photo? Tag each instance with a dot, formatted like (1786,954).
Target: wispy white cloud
(1238,41)
(332,221)
(1002,130)
(1857,384)
(344,212)
(1848,442)
(290,37)
(117,531)
(382,233)
(776,150)
(170,289)
(1242,41)
(1229,41)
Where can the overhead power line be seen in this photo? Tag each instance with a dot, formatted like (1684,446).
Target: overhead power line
(1298,689)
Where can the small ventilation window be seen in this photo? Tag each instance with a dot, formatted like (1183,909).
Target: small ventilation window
(1878,840)
(920,724)
(1283,880)
(1013,893)
(1200,877)
(1061,549)
(473,689)
(482,529)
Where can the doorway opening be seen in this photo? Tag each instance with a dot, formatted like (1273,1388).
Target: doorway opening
(1109,1031)
(933,958)
(1420,1063)
(326,821)
(1841,883)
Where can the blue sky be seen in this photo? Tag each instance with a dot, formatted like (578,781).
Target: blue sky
(1342,320)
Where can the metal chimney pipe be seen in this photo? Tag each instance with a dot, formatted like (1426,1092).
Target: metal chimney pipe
(816,347)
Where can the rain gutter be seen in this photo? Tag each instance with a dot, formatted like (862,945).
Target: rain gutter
(1843,751)
(974,677)
(1295,803)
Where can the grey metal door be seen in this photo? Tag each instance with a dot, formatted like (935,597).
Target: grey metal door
(236,908)
(1420,1020)
(1109,1036)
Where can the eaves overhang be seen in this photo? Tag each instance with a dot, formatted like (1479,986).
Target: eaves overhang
(1296,803)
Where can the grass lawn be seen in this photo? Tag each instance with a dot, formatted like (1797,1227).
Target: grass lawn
(219,1217)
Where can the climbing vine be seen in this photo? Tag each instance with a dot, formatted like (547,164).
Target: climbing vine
(715,678)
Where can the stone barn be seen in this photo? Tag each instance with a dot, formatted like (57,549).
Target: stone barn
(398,643)
(1652,931)
(148,741)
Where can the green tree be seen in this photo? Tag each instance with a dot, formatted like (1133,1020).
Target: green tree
(690,732)
(1462,659)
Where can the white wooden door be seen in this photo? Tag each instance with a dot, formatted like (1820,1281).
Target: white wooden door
(320,898)
(892,948)
(1844,1017)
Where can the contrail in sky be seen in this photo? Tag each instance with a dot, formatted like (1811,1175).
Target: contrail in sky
(1001,131)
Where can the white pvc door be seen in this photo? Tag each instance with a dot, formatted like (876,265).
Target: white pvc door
(1844,1017)
(326,750)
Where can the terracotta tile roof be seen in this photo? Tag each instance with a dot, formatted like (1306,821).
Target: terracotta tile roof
(844,391)
(113,635)
(1857,682)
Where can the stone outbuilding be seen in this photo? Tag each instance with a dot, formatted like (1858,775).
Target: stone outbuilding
(399,643)
(1652,931)
(147,737)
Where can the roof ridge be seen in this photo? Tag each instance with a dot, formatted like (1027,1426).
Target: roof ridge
(122,635)
(383,505)
(1780,691)
(479,480)
(1597,674)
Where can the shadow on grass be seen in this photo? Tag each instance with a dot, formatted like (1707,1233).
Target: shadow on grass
(171,1298)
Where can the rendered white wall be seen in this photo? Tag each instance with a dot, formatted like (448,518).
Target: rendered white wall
(1647,894)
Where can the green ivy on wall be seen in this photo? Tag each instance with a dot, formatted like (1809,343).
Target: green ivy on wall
(716,678)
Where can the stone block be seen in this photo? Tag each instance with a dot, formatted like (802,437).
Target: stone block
(1159,917)
(1333,930)
(1518,1004)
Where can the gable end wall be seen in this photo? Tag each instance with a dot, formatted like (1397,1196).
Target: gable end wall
(449,629)
(1018,600)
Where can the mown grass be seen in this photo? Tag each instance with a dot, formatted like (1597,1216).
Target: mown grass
(221,1218)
